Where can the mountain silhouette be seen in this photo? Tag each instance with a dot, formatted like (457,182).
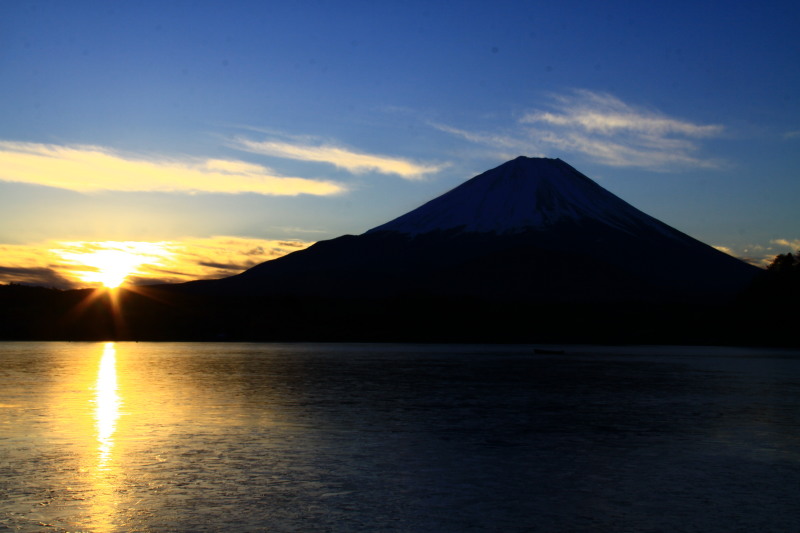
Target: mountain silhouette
(531,229)
(530,251)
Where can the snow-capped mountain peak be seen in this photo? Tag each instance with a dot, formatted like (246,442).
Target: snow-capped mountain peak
(519,195)
(529,230)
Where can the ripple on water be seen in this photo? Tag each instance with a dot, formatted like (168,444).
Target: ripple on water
(251,437)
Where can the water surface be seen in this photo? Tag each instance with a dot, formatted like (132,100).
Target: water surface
(313,437)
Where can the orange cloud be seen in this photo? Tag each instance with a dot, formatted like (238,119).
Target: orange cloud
(77,264)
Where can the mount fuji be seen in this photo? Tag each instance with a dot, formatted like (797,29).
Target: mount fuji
(520,195)
(530,251)
(531,230)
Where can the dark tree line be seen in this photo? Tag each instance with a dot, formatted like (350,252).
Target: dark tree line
(767,313)
(770,307)
(785,265)
(782,279)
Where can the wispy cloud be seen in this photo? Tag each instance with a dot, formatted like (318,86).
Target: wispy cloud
(603,113)
(762,255)
(355,162)
(606,130)
(75,264)
(93,168)
(726,250)
(614,133)
(754,254)
(34,275)
(508,143)
(621,152)
(791,244)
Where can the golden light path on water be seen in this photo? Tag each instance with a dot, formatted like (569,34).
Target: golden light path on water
(207,437)
(107,404)
(105,479)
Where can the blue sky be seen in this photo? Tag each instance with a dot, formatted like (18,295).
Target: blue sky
(223,128)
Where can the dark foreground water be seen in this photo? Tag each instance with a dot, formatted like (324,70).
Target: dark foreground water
(301,437)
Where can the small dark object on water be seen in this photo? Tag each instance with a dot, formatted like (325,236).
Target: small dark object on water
(542,351)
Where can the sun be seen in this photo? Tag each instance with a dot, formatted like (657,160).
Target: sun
(114,267)
(109,264)
(110,267)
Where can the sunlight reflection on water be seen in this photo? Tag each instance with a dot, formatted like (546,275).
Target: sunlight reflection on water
(104,493)
(253,437)
(107,403)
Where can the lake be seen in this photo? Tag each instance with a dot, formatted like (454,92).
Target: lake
(369,437)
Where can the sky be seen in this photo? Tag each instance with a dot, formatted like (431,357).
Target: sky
(167,141)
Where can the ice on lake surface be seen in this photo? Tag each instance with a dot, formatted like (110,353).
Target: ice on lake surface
(312,437)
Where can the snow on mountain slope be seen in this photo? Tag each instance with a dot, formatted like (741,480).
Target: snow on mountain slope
(525,194)
(530,228)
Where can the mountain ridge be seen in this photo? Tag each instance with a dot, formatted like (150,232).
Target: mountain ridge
(531,228)
(531,251)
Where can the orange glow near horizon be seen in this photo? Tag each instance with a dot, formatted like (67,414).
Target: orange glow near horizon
(112,264)
(113,267)
(109,264)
